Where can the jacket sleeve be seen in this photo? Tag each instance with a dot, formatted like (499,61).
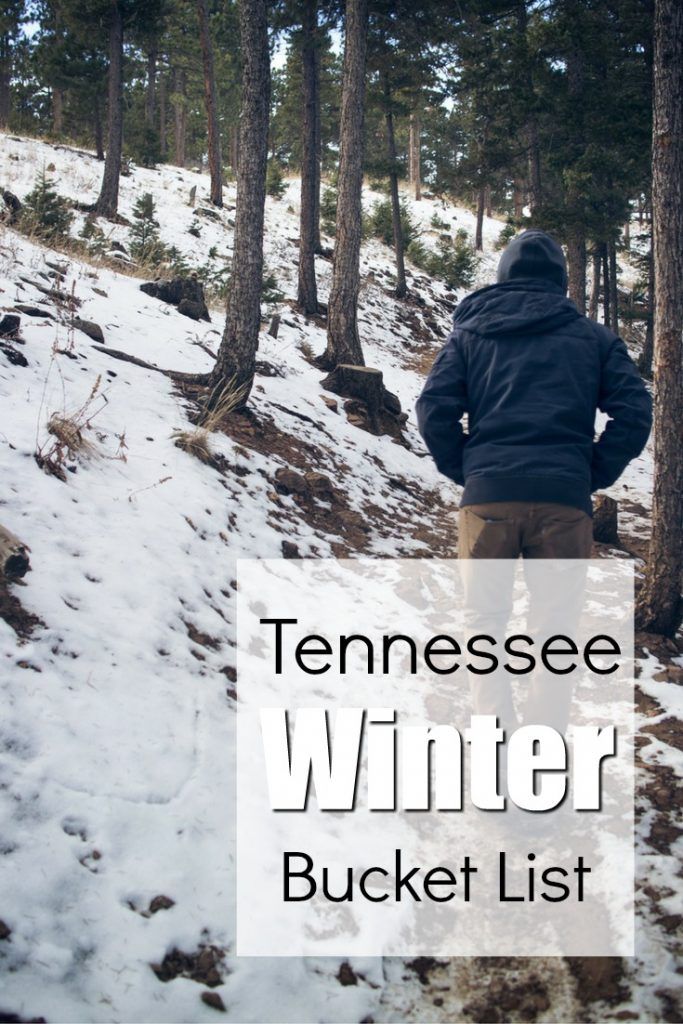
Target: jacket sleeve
(440,408)
(625,399)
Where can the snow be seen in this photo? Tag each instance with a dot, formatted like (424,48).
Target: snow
(117,742)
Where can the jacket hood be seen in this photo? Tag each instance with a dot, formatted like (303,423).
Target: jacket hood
(533,254)
(517,307)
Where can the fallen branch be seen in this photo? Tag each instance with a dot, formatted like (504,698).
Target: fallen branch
(14,560)
(187,378)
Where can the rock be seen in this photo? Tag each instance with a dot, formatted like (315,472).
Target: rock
(177,290)
(274,326)
(330,403)
(288,481)
(193,310)
(213,1000)
(33,310)
(605,520)
(5,931)
(13,356)
(13,206)
(9,325)
(88,327)
(290,550)
(346,974)
(161,903)
(118,247)
(194,231)
(319,484)
(210,214)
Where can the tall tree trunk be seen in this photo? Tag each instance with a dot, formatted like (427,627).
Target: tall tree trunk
(401,287)
(604,259)
(163,146)
(307,290)
(531,126)
(318,149)
(479,231)
(5,78)
(180,115)
(487,202)
(659,607)
(150,95)
(518,200)
(236,359)
(234,148)
(576,268)
(343,341)
(108,199)
(57,112)
(214,139)
(595,284)
(97,126)
(613,287)
(647,355)
(414,151)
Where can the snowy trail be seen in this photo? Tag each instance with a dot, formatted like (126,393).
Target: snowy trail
(117,741)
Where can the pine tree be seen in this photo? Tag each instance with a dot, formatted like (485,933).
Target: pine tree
(213,136)
(309,230)
(45,213)
(236,360)
(660,607)
(11,17)
(343,341)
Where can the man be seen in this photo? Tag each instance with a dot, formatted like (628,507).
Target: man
(530,371)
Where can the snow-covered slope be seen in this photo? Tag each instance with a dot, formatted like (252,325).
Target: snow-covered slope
(118,675)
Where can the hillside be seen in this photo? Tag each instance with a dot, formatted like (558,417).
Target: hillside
(116,783)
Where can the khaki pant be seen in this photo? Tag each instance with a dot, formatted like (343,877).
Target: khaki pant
(508,529)
(505,530)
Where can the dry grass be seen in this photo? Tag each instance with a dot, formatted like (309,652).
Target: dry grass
(67,440)
(217,409)
(197,442)
(194,442)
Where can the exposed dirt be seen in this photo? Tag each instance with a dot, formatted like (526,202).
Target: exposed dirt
(15,615)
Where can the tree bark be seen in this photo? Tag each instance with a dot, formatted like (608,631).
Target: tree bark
(595,285)
(518,200)
(604,259)
(414,151)
(214,139)
(479,231)
(401,286)
(647,355)
(343,341)
(150,96)
(97,127)
(659,607)
(57,112)
(108,199)
(318,148)
(5,77)
(613,290)
(236,361)
(531,126)
(576,268)
(162,116)
(180,115)
(310,173)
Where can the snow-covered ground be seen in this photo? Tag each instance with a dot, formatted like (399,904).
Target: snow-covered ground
(116,742)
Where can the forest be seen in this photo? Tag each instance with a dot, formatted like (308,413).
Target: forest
(233,236)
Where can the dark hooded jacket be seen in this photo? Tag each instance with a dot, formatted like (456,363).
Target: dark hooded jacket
(530,371)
